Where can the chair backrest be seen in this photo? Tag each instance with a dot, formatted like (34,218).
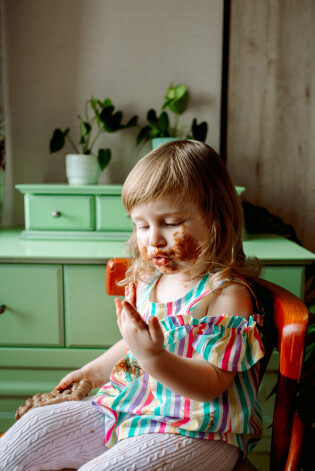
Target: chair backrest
(285,328)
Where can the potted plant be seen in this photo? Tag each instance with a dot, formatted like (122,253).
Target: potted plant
(159,126)
(100,117)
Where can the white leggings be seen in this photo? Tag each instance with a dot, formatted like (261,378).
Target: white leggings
(71,435)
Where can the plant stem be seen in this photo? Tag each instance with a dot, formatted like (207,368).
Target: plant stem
(86,110)
(90,123)
(73,144)
(176,124)
(95,138)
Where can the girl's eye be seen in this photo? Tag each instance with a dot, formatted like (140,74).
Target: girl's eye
(143,227)
(173,224)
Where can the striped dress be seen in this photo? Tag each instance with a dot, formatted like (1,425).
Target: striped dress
(135,403)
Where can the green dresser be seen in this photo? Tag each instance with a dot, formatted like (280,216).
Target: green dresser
(77,212)
(57,315)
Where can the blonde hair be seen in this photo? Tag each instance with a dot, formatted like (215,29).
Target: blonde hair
(191,172)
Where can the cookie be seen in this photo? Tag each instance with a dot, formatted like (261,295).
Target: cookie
(75,392)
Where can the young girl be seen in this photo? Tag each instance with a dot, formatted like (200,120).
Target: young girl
(179,390)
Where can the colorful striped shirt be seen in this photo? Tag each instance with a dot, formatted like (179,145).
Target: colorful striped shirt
(135,403)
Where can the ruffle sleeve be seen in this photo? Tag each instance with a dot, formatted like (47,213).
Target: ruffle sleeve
(231,343)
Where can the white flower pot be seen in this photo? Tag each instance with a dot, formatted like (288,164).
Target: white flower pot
(159,141)
(82,169)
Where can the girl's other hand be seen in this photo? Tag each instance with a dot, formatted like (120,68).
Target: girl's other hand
(94,374)
(71,378)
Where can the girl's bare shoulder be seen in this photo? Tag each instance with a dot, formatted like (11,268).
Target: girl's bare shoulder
(233,299)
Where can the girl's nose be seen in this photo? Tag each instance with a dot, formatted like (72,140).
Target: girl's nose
(156,238)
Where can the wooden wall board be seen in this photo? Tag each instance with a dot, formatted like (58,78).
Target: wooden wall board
(271,108)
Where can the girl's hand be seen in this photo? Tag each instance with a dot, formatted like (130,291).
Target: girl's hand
(144,341)
(73,377)
(95,374)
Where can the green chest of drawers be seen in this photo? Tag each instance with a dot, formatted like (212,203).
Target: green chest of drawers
(76,212)
(57,315)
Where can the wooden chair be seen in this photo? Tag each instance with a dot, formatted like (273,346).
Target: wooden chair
(285,328)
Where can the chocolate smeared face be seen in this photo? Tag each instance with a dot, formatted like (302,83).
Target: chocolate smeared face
(169,234)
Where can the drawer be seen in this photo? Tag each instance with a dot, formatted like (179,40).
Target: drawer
(33,298)
(90,317)
(60,213)
(111,215)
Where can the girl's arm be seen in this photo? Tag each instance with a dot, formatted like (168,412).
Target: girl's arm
(97,370)
(189,377)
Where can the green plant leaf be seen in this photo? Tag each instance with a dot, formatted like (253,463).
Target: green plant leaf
(113,122)
(152,118)
(104,156)
(199,131)
(163,123)
(106,113)
(156,133)
(58,140)
(85,128)
(95,103)
(144,135)
(176,99)
(108,103)
(132,122)
(311,329)
(309,350)
(167,103)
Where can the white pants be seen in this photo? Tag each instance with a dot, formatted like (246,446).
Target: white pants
(71,435)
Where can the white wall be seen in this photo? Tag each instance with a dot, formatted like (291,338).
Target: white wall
(57,53)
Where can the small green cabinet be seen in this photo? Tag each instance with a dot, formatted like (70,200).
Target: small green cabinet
(33,300)
(90,212)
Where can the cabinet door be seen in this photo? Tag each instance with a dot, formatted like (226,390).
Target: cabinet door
(33,314)
(90,318)
(290,278)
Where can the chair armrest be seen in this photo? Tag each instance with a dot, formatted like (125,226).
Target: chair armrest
(295,450)
(290,317)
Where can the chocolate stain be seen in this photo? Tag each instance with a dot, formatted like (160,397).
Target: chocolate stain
(124,365)
(185,249)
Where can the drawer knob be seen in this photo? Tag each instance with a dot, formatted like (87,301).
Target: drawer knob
(2,308)
(56,214)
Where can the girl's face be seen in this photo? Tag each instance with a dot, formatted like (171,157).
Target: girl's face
(170,234)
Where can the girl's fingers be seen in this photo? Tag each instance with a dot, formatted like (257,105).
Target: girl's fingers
(119,309)
(118,305)
(133,294)
(68,380)
(130,293)
(155,330)
(134,315)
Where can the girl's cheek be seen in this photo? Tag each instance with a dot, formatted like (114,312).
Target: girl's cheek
(143,251)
